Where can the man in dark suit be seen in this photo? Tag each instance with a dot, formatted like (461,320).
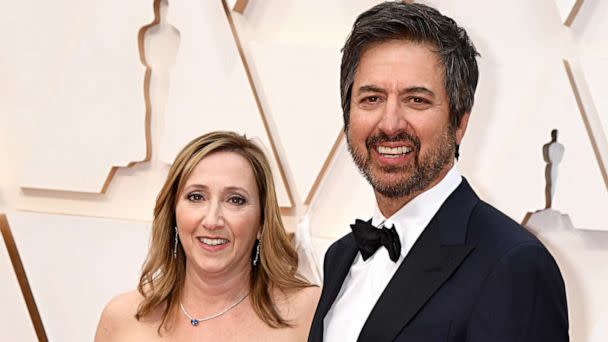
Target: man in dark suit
(435,263)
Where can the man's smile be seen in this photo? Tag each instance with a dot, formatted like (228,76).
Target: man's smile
(393,152)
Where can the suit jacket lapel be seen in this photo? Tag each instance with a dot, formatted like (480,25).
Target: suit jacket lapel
(437,253)
(337,265)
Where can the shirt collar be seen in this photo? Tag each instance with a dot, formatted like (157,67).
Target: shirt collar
(411,219)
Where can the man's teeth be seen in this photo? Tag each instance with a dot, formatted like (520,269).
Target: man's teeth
(213,242)
(393,152)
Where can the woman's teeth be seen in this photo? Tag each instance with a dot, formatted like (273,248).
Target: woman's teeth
(213,242)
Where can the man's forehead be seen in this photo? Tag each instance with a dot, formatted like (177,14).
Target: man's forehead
(398,64)
(399,51)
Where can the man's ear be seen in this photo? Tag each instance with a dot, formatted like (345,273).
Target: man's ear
(462,127)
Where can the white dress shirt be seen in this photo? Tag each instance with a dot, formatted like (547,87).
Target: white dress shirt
(367,279)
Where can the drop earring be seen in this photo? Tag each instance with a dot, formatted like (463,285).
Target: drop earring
(175,244)
(256,259)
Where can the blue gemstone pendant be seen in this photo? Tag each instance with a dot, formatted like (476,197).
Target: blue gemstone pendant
(194,322)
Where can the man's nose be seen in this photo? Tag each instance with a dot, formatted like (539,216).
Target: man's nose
(214,218)
(393,119)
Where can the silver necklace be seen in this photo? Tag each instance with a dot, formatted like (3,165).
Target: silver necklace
(196,321)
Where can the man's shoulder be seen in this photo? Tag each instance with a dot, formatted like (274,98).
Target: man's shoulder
(338,248)
(486,226)
(341,244)
(492,230)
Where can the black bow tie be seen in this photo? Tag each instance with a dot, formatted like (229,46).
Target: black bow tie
(370,238)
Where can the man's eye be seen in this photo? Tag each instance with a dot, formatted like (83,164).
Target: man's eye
(420,100)
(371,99)
(237,200)
(194,197)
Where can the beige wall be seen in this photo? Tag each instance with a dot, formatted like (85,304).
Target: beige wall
(97,240)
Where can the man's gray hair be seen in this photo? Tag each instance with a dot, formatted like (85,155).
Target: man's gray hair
(422,24)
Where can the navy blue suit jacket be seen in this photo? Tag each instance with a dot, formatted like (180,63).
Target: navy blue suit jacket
(473,275)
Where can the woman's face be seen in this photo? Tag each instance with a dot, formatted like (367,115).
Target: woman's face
(218,214)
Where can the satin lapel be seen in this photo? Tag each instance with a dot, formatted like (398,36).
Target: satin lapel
(437,253)
(336,268)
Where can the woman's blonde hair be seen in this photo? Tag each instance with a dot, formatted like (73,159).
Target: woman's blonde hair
(162,277)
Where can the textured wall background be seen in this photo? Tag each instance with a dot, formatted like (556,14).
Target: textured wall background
(95,98)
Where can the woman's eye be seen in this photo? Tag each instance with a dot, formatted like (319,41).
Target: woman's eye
(237,200)
(194,197)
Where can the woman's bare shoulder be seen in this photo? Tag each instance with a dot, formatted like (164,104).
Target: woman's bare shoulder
(307,296)
(123,305)
(118,316)
(299,304)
